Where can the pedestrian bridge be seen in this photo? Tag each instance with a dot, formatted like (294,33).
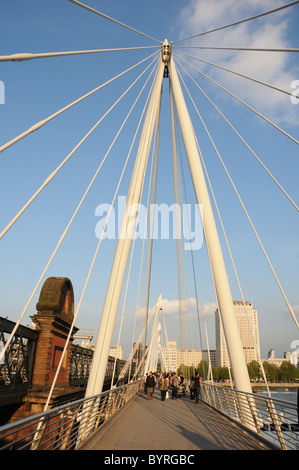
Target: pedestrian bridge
(123,419)
(172,425)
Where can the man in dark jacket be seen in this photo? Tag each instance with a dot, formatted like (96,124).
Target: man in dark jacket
(150,384)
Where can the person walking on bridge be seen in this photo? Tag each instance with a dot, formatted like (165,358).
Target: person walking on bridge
(174,383)
(150,384)
(163,385)
(197,387)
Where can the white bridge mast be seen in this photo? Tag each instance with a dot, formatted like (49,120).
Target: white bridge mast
(223,293)
(104,338)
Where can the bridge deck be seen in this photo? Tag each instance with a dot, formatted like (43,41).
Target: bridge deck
(172,425)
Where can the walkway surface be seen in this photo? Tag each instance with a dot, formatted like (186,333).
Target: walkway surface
(172,425)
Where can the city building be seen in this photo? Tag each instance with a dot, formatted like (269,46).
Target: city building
(174,357)
(276,360)
(170,356)
(247,321)
(293,357)
(116,351)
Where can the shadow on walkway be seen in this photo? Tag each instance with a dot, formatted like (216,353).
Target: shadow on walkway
(173,425)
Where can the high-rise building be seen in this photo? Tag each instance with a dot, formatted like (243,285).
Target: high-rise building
(247,321)
(170,356)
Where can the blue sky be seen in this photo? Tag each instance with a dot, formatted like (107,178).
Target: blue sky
(36,89)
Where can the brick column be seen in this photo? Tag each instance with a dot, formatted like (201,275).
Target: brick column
(55,311)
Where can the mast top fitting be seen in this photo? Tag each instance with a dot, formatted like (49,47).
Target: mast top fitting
(166,54)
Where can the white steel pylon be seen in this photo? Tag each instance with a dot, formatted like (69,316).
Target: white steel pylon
(107,323)
(140,339)
(153,348)
(223,293)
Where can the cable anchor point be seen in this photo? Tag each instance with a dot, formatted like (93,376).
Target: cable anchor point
(166,55)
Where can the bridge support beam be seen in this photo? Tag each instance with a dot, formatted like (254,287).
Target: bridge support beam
(103,342)
(222,287)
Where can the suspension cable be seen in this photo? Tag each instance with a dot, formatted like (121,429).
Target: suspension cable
(185,251)
(144,234)
(112,19)
(41,123)
(241,21)
(245,104)
(54,173)
(150,242)
(254,230)
(131,258)
(225,235)
(253,49)
(137,297)
(62,238)
(100,240)
(95,254)
(192,255)
(138,290)
(247,145)
(44,55)
(238,73)
(177,222)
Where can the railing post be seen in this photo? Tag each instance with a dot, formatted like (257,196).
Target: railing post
(236,400)
(109,405)
(68,433)
(207,389)
(219,399)
(39,433)
(273,416)
(83,427)
(227,403)
(101,412)
(253,414)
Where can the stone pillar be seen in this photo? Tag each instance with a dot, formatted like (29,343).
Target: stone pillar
(55,311)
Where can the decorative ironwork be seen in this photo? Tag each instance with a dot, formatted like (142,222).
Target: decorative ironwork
(16,367)
(81,359)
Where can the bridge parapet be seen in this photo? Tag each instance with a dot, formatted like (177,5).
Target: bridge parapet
(16,367)
(52,321)
(33,356)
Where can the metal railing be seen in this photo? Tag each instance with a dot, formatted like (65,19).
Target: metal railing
(66,427)
(16,365)
(272,419)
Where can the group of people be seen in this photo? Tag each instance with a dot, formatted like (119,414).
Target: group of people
(171,382)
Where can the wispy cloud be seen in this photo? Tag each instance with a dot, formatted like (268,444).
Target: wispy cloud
(276,68)
(188,306)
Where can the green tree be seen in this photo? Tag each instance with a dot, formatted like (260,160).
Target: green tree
(202,368)
(271,371)
(223,373)
(215,372)
(254,369)
(288,372)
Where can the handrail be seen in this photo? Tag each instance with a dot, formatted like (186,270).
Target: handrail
(68,426)
(274,420)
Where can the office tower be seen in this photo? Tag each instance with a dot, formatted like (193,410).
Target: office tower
(247,321)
